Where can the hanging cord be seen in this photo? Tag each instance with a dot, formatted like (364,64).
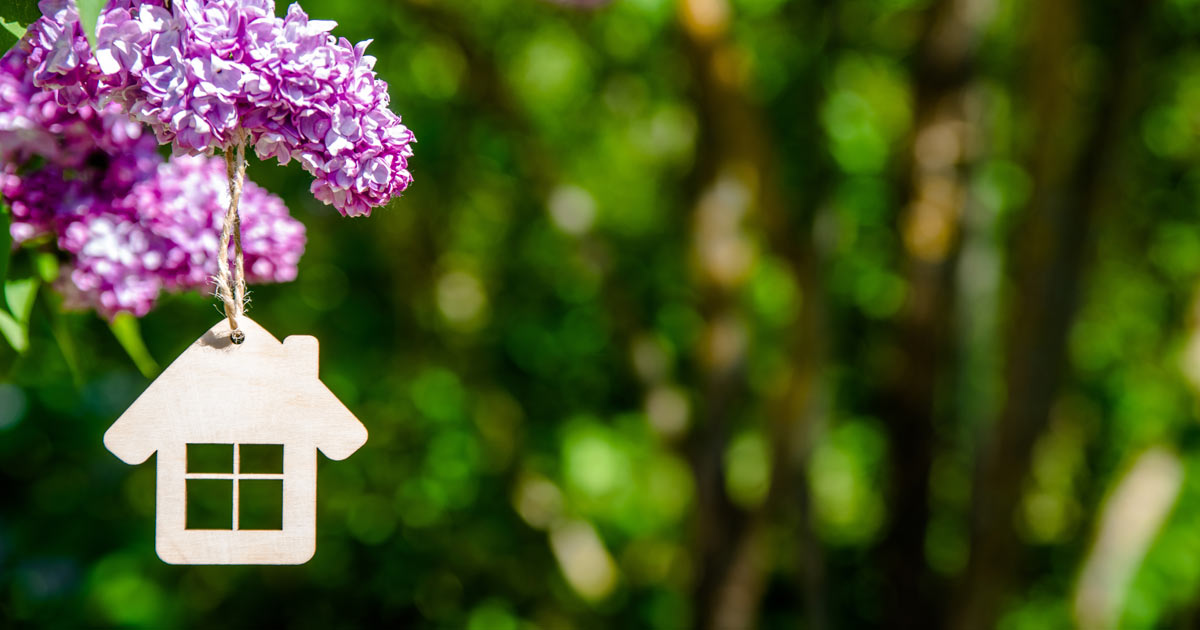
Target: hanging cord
(231,288)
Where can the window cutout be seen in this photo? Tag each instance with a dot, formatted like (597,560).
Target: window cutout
(209,503)
(261,458)
(210,458)
(260,503)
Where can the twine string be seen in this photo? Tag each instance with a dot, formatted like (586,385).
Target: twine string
(231,287)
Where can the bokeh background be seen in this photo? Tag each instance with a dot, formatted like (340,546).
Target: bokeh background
(703,313)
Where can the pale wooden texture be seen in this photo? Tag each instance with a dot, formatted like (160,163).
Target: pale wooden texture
(259,392)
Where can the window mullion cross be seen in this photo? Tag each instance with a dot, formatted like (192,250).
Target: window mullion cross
(235,476)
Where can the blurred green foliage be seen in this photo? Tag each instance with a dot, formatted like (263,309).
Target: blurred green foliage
(578,340)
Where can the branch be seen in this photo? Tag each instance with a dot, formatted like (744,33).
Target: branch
(931,226)
(738,189)
(1049,256)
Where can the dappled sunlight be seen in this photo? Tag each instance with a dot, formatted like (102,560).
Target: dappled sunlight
(584,561)
(1131,516)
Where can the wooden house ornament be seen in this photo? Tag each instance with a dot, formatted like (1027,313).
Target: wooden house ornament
(237,428)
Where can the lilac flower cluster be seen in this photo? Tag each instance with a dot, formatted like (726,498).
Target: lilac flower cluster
(129,224)
(209,74)
(111,150)
(165,234)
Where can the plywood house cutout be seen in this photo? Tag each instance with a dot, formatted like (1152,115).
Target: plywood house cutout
(237,428)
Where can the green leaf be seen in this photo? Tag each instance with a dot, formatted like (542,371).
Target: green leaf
(15,327)
(46,264)
(15,28)
(10,32)
(89,15)
(127,330)
(22,12)
(15,15)
(16,333)
(20,295)
(64,338)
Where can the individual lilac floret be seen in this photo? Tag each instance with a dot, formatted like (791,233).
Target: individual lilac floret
(130,224)
(209,74)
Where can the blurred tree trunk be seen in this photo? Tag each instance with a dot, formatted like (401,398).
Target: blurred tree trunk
(732,559)
(738,192)
(1048,258)
(915,389)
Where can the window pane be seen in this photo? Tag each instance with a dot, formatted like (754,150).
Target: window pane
(210,458)
(260,504)
(261,458)
(209,504)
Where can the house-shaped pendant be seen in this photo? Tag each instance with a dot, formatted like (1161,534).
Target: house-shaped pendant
(237,426)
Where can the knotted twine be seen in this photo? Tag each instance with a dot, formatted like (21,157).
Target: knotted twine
(231,287)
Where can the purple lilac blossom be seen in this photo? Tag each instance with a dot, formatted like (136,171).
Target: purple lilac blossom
(209,74)
(88,156)
(164,235)
(108,151)
(130,225)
